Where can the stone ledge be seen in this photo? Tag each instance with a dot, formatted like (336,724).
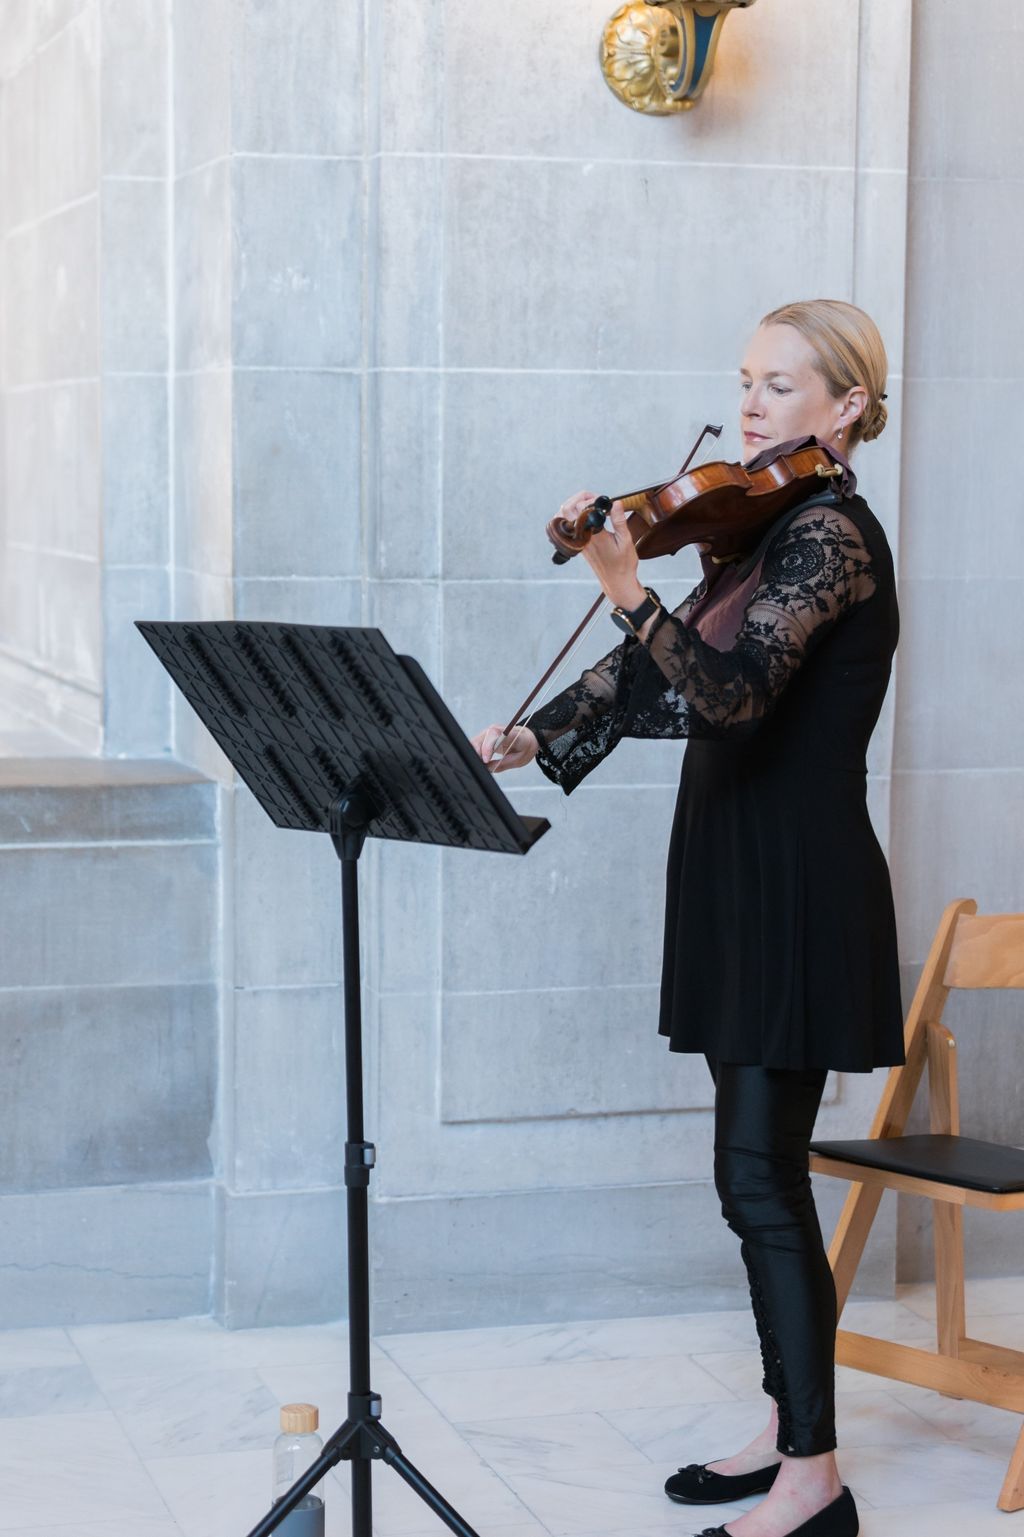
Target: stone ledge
(104,800)
(90,773)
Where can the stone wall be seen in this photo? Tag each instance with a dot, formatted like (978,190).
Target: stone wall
(373,288)
(109,972)
(958,809)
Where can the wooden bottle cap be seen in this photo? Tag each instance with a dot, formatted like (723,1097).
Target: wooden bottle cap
(299,1419)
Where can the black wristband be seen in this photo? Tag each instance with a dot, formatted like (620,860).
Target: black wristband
(632,620)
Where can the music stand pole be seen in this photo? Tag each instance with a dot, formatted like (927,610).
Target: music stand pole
(362,1438)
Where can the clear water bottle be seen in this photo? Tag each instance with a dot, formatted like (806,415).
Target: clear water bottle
(295,1450)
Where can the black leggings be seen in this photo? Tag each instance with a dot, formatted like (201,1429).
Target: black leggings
(764,1118)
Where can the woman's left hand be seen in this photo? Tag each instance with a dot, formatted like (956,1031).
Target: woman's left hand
(611,554)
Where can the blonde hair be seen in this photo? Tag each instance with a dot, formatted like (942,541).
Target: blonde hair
(848,351)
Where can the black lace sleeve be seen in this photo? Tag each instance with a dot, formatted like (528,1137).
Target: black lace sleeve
(674,685)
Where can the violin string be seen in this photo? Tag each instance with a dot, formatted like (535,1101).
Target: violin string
(552,681)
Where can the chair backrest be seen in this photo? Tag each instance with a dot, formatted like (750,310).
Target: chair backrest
(987,950)
(970,949)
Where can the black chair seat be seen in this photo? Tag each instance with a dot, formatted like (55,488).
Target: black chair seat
(947,1160)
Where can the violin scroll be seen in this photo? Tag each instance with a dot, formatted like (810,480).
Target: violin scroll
(570,536)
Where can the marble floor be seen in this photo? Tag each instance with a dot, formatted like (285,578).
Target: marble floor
(163,1429)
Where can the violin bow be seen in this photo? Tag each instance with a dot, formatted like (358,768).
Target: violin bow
(519,719)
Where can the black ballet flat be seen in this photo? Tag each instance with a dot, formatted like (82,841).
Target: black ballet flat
(696,1484)
(837,1520)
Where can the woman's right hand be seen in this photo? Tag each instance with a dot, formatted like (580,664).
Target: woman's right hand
(521,748)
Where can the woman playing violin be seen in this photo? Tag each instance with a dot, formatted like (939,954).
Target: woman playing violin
(780,944)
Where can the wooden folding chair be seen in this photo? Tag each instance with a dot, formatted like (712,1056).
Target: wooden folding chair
(970,950)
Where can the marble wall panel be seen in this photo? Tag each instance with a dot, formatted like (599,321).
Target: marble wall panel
(19,147)
(964,513)
(135,38)
(19,609)
(517,444)
(201,51)
(133,309)
(884,68)
(31,24)
(422,1155)
(65,297)
(202,474)
(402,886)
(404,309)
(69,924)
(288,1089)
(297,287)
(136,474)
(65,497)
(552,887)
(70,634)
(970,128)
(20,336)
(202,267)
(287,918)
(549,99)
(951,251)
(21,466)
(299,600)
(409,614)
(959,655)
(879,288)
(955,834)
(562,1052)
(51,488)
(137,703)
(148,1056)
(67,83)
(48,711)
(296,474)
(404,427)
(406,84)
(514,226)
(199,596)
(281,1258)
(18,37)
(100,1255)
(295,68)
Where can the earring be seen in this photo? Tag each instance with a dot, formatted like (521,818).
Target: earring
(839,433)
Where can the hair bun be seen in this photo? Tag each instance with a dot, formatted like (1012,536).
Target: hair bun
(874,421)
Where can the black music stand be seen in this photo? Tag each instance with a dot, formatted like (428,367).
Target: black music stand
(334,733)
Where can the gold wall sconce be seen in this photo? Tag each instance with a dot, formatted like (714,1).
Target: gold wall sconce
(657,55)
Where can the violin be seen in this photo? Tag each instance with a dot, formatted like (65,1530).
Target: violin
(721,505)
(725,506)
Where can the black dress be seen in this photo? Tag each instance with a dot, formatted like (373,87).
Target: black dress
(780,935)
